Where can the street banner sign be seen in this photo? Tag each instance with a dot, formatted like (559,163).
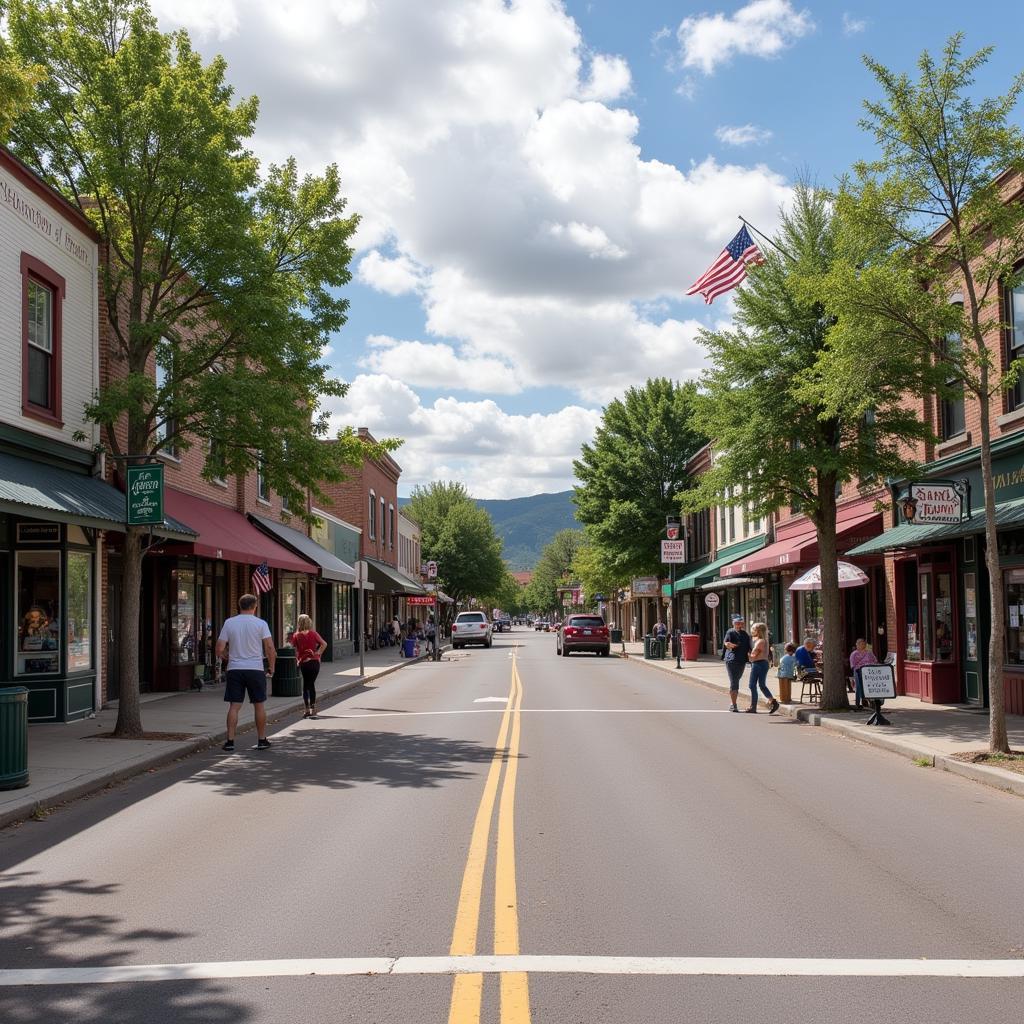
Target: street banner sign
(878,681)
(673,552)
(927,504)
(431,570)
(420,599)
(646,586)
(712,600)
(144,494)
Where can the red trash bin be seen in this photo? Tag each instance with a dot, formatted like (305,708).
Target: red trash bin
(691,646)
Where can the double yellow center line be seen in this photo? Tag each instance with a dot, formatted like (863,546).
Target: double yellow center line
(467,989)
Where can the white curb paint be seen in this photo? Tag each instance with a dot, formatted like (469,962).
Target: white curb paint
(491,700)
(768,967)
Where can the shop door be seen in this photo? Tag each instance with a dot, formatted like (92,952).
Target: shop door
(324,616)
(114,585)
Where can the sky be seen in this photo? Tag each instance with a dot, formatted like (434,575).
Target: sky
(539,182)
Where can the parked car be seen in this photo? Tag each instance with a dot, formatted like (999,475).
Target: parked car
(471,628)
(583,633)
(541,625)
(503,624)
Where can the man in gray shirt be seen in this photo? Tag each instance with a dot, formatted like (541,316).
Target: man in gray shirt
(246,640)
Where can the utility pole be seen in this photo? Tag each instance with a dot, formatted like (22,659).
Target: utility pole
(673,526)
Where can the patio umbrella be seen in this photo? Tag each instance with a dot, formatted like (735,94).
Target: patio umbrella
(849,576)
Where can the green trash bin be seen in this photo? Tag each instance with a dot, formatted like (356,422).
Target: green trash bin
(650,647)
(13,737)
(287,681)
(616,636)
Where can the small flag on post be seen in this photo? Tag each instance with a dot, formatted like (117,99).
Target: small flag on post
(729,269)
(261,579)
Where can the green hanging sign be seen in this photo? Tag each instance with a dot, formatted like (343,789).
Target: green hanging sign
(145,494)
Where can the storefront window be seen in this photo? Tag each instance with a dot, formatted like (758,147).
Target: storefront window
(812,616)
(755,604)
(342,611)
(183,620)
(38,623)
(289,605)
(943,617)
(79,611)
(913,648)
(926,617)
(971,615)
(1015,617)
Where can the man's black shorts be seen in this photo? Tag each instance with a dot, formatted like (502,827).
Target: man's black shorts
(242,681)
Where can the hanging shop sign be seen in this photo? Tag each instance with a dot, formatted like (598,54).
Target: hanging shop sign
(934,502)
(420,599)
(673,552)
(712,600)
(144,494)
(646,586)
(38,533)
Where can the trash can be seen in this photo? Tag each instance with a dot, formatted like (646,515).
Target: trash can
(650,646)
(13,737)
(615,635)
(691,646)
(409,646)
(287,682)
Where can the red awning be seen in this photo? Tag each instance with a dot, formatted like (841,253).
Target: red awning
(225,533)
(802,548)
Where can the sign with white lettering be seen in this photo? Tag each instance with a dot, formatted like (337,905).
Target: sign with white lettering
(712,600)
(927,504)
(878,681)
(431,570)
(673,552)
(145,494)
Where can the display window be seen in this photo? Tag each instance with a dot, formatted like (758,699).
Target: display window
(39,612)
(79,600)
(1014,616)
(929,613)
(177,616)
(342,611)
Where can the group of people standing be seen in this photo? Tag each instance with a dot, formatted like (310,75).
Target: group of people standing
(740,649)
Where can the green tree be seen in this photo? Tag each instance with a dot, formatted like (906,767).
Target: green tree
(18,81)
(630,474)
(553,570)
(778,444)
(508,596)
(928,219)
(595,571)
(224,280)
(458,535)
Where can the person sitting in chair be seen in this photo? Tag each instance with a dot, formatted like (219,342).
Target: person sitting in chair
(805,663)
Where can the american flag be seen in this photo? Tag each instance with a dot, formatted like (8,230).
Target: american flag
(261,579)
(729,269)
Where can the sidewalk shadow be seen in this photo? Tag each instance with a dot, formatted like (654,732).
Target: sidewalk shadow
(341,759)
(38,930)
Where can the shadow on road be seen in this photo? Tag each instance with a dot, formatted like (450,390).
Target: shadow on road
(39,927)
(342,759)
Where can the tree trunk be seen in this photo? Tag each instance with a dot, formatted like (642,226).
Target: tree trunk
(129,712)
(998,742)
(833,687)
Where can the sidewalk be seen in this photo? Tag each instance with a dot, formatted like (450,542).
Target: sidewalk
(933,732)
(69,761)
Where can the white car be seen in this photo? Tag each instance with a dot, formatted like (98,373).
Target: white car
(471,628)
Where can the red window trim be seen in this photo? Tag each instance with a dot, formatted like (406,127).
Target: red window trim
(32,268)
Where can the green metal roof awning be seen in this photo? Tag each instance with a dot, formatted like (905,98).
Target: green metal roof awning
(41,491)
(906,535)
(706,573)
(331,567)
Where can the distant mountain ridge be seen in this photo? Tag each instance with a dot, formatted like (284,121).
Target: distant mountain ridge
(527,525)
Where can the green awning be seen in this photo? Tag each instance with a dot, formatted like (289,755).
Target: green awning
(906,535)
(706,573)
(41,491)
(391,580)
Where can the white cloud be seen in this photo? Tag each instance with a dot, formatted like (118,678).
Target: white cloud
(436,365)
(609,79)
(742,134)
(762,28)
(397,276)
(495,453)
(853,26)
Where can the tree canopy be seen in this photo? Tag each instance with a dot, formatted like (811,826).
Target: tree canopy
(931,233)
(630,474)
(553,570)
(460,537)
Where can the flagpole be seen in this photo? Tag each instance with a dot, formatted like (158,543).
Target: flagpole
(774,245)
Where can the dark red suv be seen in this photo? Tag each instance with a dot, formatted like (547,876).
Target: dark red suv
(583,633)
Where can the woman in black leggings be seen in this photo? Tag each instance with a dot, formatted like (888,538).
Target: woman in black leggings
(309,647)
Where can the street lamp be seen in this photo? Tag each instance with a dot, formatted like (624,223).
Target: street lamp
(673,528)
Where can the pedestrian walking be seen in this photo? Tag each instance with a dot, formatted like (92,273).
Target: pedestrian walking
(396,631)
(787,671)
(309,648)
(861,655)
(245,640)
(736,652)
(759,661)
(431,634)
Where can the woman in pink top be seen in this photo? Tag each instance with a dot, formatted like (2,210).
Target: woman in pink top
(309,646)
(860,656)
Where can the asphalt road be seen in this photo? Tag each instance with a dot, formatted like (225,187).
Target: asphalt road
(510,802)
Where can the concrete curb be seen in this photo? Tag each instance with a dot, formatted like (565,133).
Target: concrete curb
(179,750)
(998,778)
